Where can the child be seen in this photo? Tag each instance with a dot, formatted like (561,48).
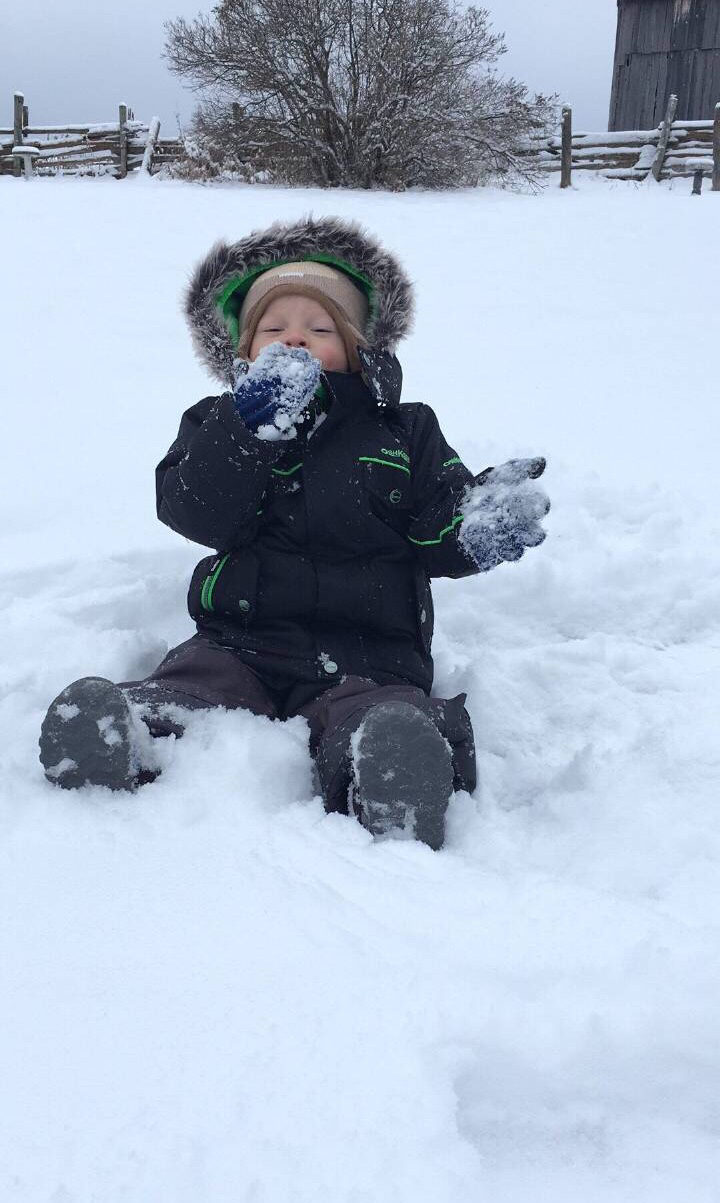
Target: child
(328,506)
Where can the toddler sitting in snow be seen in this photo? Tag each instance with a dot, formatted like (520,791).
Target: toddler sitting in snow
(328,506)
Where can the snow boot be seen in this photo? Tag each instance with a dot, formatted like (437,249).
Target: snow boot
(402,773)
(87,737)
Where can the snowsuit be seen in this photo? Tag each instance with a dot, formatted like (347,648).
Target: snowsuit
(324,549)
(316,599)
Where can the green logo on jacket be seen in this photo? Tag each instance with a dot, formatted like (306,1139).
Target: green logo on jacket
(401,454)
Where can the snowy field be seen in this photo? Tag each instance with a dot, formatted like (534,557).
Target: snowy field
(211,992)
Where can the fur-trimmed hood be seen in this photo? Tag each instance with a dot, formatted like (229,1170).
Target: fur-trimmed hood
(336,241)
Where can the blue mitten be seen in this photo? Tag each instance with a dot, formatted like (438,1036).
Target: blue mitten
(502,513)
(272,393)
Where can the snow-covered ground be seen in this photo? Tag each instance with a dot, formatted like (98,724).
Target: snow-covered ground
(211,990)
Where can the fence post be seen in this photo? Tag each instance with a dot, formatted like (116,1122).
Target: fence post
(716,151)
(123,116)
(666,130)
(566,152)
(18,104)
(25,156)
(153,135)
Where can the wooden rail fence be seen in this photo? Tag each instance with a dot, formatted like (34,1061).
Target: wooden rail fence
(108,148)
(675,148)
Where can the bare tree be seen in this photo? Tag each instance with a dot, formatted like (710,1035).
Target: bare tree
(358,93)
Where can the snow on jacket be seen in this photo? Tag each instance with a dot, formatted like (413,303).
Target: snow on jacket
(324,544)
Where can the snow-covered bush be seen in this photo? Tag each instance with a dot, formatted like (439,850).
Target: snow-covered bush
(210,154)
(356,93)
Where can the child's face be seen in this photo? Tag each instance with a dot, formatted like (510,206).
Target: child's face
(300,321)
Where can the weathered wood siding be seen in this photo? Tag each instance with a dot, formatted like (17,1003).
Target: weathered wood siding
(665,46)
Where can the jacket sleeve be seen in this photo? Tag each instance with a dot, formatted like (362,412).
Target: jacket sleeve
(439,482)
(210,485)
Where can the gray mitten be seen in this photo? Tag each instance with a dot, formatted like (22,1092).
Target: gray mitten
(502,512)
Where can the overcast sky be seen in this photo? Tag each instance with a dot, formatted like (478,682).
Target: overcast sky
(76,67)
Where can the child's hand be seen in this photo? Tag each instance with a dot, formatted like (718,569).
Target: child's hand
(502,513)
(275,389)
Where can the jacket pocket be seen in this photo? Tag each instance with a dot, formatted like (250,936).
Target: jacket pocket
(389,490)
(226,585)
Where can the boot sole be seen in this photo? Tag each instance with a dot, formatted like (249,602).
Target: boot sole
(403,773)
(85,737)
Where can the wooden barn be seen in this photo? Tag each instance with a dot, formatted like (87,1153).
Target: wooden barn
(665,47)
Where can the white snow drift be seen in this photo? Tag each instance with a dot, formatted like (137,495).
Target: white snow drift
(211,990)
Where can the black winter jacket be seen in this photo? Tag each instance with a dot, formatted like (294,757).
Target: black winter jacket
(324,545)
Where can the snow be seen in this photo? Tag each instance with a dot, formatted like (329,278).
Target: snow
(212,990)
(647,157)
(153,135)
(108,730)
(65,153)
(63,766)
(615,138)
(684,125)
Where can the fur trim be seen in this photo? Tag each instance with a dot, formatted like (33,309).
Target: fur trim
(343,240)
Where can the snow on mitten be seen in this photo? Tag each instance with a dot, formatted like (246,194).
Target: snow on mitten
(502,513)
(272,393)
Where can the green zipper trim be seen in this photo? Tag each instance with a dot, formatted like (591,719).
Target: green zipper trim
(203,591)
(445,531)
(455,460)
(370,459)
(209,584)
(286,471)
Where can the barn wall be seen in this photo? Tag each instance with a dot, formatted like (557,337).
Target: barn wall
(665,46)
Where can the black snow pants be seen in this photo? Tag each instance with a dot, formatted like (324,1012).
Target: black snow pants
(201,674)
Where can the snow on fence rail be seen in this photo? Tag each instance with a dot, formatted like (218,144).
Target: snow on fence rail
(103,148)
(675,148)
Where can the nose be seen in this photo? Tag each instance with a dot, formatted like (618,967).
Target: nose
(294,338)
